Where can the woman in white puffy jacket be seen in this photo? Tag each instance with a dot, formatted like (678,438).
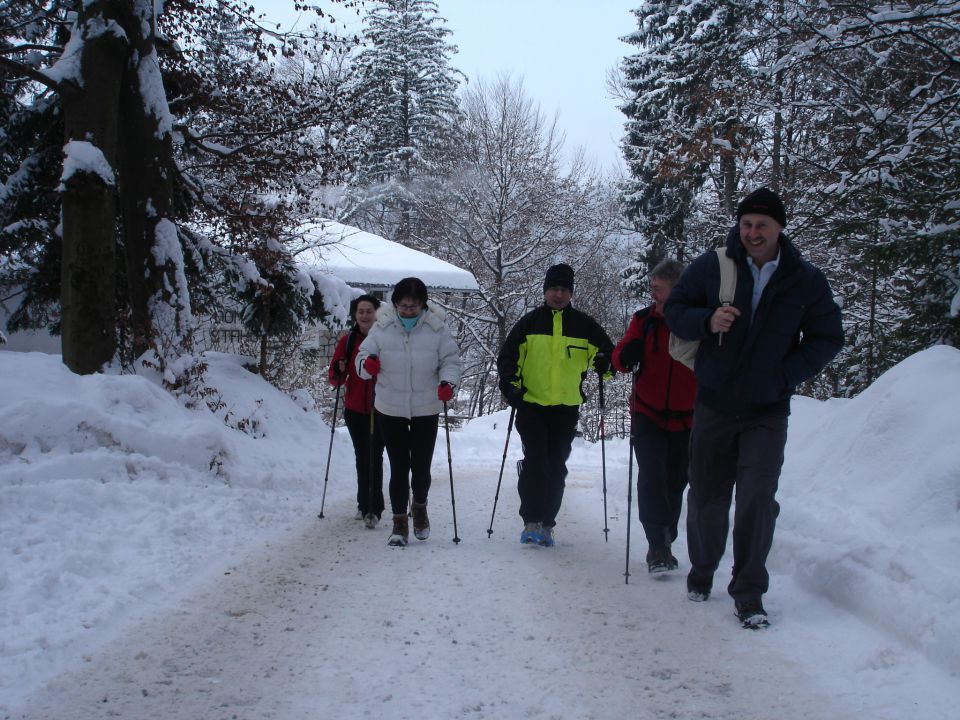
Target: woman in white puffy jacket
(417,365)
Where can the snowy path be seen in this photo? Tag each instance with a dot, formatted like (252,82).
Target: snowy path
(330,622)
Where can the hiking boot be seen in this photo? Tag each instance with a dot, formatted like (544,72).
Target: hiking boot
(421,523)
(401,531)
(698,586)
(751,614)
(532,534)
(546,537)
(660,560)
(370,520)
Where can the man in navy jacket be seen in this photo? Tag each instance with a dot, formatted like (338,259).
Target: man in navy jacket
(782,328)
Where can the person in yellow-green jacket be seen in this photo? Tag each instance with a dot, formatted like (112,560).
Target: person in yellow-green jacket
(542,365)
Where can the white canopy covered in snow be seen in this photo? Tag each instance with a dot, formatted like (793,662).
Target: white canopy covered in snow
(372,262)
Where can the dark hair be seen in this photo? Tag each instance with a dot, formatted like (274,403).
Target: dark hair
(409,287)
(669,270)
(356,302)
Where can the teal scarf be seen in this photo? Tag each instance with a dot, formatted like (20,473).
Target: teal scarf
(409,323)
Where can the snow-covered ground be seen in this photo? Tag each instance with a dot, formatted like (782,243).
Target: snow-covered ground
(156,563)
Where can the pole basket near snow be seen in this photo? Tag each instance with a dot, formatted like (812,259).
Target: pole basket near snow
(503,462)
(333,427)
(453,501)
(603,463)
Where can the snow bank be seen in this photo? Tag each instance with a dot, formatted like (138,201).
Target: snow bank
(116,498)
(870,497)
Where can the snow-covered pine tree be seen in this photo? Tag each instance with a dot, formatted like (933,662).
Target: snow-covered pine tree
(410,89)
(685,93)
(878,186)
(257,154)
(29,204)
(131,188)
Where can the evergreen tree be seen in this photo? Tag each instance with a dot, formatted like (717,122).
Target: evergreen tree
(686,89)
(848,111)
(152,187)
(410,89)
(882,172)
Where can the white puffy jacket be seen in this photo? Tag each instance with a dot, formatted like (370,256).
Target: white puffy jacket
(412,364)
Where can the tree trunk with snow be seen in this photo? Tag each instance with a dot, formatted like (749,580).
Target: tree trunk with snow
(88,319)
(158,295)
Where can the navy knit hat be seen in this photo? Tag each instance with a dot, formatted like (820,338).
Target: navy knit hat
(763,202)
(561,275)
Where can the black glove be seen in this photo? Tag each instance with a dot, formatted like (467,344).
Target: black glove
(513,395)
(601,363)
(632,353)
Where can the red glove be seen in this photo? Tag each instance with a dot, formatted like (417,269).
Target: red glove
(372,365)
(445,391)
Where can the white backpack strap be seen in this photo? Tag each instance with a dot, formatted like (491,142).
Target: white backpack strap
(728,277)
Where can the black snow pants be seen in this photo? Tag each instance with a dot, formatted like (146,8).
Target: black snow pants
(410,443)
(547,434)
(369,485)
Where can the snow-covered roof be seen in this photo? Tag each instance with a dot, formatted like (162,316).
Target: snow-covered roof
(369,261)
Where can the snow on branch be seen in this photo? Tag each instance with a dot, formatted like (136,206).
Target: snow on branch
(81,156)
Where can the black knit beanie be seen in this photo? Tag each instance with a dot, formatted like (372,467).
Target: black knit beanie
(561,275)
(763,202)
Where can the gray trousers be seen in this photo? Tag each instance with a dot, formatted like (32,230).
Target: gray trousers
(730,454)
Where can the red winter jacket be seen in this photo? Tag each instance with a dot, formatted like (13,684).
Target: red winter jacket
(359,395)
(663,389)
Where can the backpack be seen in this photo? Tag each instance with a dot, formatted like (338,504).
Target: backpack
(685,351)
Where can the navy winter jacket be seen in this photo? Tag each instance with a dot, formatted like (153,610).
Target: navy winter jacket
(795,332)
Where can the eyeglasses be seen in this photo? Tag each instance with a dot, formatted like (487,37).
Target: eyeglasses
(408,308)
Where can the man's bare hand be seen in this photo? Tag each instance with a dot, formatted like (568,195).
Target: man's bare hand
(722,318)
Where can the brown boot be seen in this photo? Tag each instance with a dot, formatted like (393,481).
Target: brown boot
(401,531)
(421,523)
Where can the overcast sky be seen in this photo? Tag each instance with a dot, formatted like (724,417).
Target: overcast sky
(561,48)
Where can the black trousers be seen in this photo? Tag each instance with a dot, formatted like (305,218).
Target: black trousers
(410,443)
(547,434)
(727,454)
(369,485)
(661,477)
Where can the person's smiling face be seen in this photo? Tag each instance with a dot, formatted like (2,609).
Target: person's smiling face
(760,234)
(364,315)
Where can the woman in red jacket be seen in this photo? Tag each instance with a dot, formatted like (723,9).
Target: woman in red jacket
(358,406)
(661,414)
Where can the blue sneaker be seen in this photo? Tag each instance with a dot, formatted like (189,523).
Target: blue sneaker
(546,537)
(532,534)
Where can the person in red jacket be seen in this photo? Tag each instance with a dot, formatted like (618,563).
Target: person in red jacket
(661,415)
(358,406)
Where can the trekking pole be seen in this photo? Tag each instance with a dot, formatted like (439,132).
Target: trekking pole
(453,502)
(333,427)
(626,571)
(513,412)
(371,442)
(603,462)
